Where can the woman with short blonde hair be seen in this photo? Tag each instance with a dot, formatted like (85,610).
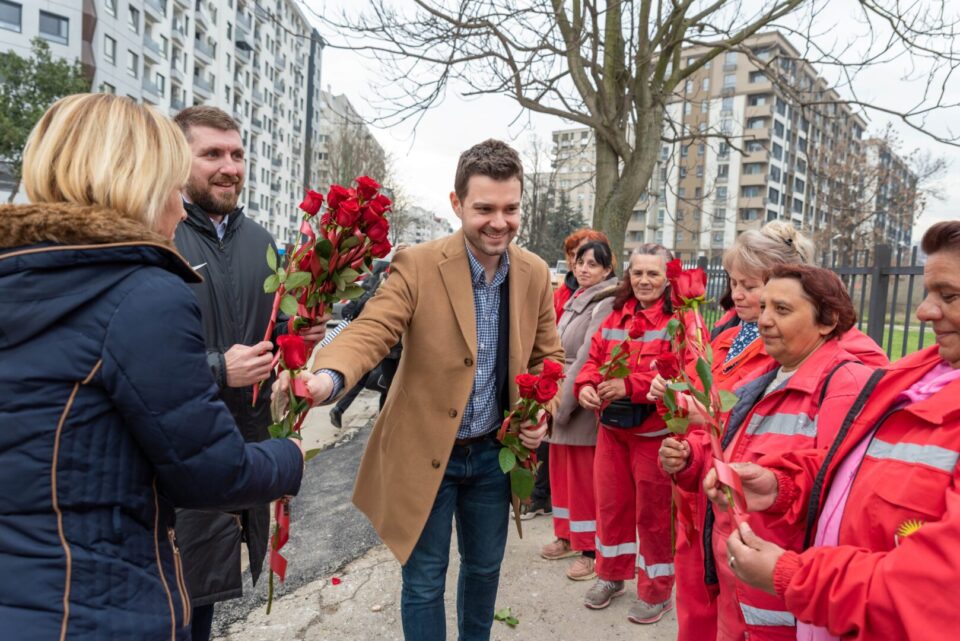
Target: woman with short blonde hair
(110,416)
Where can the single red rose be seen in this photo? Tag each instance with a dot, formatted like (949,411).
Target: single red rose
(552,370)
(311,202)
(378,233)
(674,268)
(374,207)
(368,217)
(526,383)
(383,201)
(689,284)
(381,249)
(347,213)
(638,327)
(327,219)
(337,195)
(545,390)
(293,350)
(668,365)
(367,187)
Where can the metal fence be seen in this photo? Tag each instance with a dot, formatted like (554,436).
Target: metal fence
(885,287)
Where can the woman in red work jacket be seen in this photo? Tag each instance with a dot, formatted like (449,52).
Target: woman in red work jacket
(797,402)
(883,500)
(738,357)
(633,497)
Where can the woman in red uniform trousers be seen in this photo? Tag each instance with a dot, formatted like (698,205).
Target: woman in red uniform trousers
(883,501)
(797,403)
(633,496)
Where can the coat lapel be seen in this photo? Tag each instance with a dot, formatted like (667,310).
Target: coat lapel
(455,272)
(519,285)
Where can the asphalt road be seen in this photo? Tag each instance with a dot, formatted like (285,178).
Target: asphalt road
(326,530)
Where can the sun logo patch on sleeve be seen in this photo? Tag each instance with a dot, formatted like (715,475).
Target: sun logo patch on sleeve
(908,527)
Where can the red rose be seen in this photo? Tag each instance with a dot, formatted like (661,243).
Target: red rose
(367,187)
(638,327)
(293,350)
(378,233)
(552,371)
(347,213)
(526,383)
(545,390)
(381,249)
(368,217)
(383,201)
(337,195)
(311,202)
(373,207)
(689,284)
(674,268)
(668,365)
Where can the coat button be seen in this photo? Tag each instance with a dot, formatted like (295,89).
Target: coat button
(468,361)
(435,463)
(452,413)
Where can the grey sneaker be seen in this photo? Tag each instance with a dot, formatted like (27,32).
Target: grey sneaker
(643,612)
(602,592)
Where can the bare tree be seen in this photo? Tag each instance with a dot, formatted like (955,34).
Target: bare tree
(615,66)
(400,216)
(351,152)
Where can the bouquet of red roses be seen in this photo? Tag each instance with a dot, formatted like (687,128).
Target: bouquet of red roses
(515,459)
(688,292)
(323,268)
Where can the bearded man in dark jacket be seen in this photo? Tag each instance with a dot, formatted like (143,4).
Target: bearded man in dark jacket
(228,250)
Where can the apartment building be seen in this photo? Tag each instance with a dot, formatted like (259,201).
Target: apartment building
(345,147)
(424,225)
(754,154)
(258,60)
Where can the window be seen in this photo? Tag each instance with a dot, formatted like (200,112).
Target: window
(719,215)
(110,49)
(801,166)
(750,191)
(730,58)
(133,64)
(705,85)
(799,185)
(729,80)
(771,215)
(699,171)
(687,108)
(757,100)
(723,151)
(802,144)
(704,106)
(781,106)
(688,86)
(54,28)
(773,195)
(774,173)
(723,170)
(106,87)
(778,128)
(718,237)
(756,123)
(11,15)
(111,7)
(757,76)
(726,105)
(749,213)
(133,19)
(684,151)
(797,206)
(701,148)
(683,172)
(777,151)
(753,168)
(753,146)
(721,193)
(161,83)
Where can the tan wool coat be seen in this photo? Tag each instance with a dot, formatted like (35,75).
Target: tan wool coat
(428,301)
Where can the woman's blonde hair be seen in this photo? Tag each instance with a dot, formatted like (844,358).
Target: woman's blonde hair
(100,149)
(776,243)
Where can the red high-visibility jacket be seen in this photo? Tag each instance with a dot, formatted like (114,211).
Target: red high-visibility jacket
(878,584)
(803,414)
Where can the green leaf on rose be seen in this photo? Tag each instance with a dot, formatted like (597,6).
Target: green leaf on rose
(352,292)
(508,460)
(521,452)
(521,483)
(349,243)
(309,454)
(670,400)
(678,386)
(672,326)
(288,304)
(298,279)
(706,376)
(728,400)
(678,425)
(271,257)
(349,275)
(271,284)
(276,430)
(511,440)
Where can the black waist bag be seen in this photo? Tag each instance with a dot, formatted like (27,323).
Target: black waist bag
(623,414)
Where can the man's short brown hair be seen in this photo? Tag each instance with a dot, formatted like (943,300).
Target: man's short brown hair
(492,158)
(205,116)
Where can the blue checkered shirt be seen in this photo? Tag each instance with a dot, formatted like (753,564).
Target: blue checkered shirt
(480,415)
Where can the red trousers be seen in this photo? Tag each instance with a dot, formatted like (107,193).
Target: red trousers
(696,603)
(571,492)
(633,513)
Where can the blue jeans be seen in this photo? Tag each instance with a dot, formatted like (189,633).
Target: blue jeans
(476,493)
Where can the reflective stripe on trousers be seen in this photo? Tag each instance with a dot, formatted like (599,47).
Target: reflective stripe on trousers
(575,526)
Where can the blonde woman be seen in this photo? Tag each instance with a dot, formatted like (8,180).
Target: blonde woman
(109,417)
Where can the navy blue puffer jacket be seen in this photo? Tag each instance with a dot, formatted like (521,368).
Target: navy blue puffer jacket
(109,419)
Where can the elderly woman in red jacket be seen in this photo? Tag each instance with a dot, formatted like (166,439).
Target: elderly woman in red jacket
(883,501)
(633,496)
(796,402)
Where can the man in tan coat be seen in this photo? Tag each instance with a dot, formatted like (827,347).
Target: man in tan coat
(474,311)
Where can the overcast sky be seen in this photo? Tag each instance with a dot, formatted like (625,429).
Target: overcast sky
(428,151)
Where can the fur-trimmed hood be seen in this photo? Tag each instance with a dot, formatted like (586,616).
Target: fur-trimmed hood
(57,258)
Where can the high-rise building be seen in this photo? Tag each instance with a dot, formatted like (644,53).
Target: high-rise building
(345,147)
(754,154)
(259,61)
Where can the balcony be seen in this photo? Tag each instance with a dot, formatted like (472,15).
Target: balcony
(275,187)
(238,83)
(257,124)
(298,128)
(277,162)
(257,95)
(253,206)
(201,18)
(177,104)
(186,4)
(281,63)
(243,55)
(176,74)
(203,51)
(179,32)
(201,84)
(152,88)
(156,9)
(152,49)
(261,14)
(278,86)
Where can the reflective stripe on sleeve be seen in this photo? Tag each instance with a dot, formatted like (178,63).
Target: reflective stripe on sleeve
(761,616)
(614,334)
(933,455)
(783,424)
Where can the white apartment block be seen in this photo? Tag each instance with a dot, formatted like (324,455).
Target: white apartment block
(761,157)
(258,60)
(423,226)
(345,147)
